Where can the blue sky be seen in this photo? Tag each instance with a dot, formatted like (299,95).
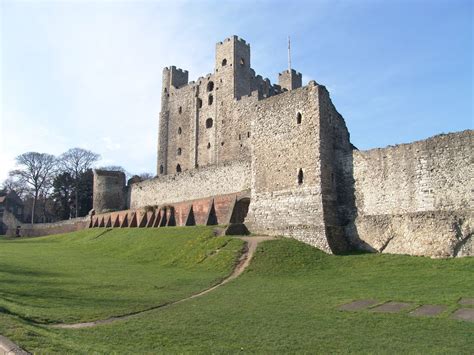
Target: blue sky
(88,73)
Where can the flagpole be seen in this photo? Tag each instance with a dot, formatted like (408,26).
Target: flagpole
(289,55)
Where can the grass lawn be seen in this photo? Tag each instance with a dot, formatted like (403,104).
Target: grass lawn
(98,273)
(285,302)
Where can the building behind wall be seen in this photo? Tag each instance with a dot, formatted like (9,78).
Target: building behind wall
(11,209)
(233,136)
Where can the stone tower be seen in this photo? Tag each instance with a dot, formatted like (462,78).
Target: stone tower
(109,191)
(232,69)
(173,78)
(290,80)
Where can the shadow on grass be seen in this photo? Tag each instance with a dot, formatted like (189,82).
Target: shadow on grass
(355,252)
(16,271)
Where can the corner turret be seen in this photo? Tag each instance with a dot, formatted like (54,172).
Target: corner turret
(290,80)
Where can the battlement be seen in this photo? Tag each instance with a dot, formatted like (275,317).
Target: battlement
(173,76)
(293,72)
(174,69)
(290,79)
(234,38)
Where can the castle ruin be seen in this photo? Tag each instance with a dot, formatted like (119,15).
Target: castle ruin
(233,148)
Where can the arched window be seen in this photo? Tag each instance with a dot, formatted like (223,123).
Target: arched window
(179,151)
(300,177)
(208,145)
(199,103)
(298,118)
(210,99)
(224,62)
(210,86)
(242,62)
(161,169)
(166,90)
(179,130)
(178,168)
(248,134)
(180,110)
(209,123)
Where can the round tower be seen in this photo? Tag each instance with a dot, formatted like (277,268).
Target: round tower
(109,191)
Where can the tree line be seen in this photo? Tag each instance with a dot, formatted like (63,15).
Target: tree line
(55,188)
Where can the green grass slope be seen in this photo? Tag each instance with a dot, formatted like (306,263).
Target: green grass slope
(98,273)
(287,302)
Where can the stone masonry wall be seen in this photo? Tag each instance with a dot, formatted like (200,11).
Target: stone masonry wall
(282,146)
(416,198)
(205,122)
(42,229)
(191,185)
(109,191)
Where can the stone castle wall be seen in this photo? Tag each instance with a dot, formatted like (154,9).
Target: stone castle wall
(201,122)
(41,229)
(286,196)
(190,185)
(416,198)
(233,132)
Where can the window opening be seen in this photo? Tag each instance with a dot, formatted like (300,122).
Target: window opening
(210,86)
(300,177)
(298,118)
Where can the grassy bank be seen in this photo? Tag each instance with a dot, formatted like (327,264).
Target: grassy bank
(287,301)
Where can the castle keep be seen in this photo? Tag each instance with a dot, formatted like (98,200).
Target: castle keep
(235,148)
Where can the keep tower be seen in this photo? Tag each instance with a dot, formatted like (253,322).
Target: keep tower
(232,69)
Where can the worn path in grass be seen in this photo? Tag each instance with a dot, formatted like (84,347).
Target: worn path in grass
(286,301)
(244,261)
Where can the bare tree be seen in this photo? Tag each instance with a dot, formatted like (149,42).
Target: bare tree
(13,184)
(36,170)
(76,161)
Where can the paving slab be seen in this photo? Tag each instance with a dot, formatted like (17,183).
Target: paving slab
(392,307)
(7,347)
(428,310)
(464,314)
(466,301)
(357,305)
